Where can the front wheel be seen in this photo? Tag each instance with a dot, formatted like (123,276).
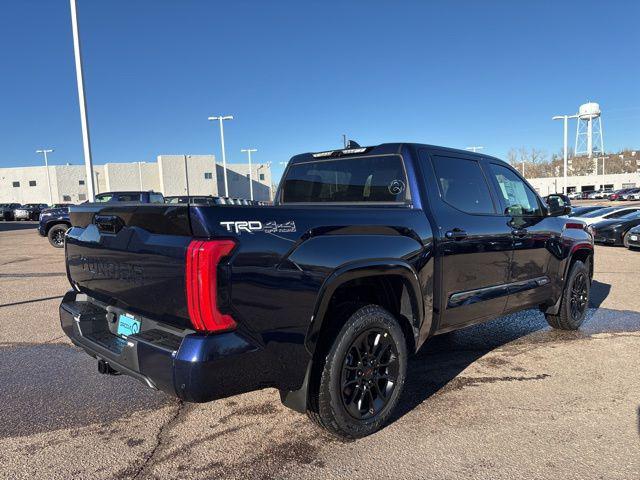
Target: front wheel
(56,235)
(575,299)
(358,384)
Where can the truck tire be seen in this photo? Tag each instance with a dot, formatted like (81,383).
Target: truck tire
(575,299)
(356,387)
(56,235)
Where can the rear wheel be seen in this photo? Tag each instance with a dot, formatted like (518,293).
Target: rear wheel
(575,299)
(625,239)
(56,235)
(357,386)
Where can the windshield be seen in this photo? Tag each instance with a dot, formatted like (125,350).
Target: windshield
(341,180)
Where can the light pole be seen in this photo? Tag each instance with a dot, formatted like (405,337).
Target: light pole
(249,151)
(86,145)
(474,149)
(224,158)
(268,165)
(566,140)
(46,166)
(140,174)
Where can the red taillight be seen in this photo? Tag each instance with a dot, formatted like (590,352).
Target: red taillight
(577,226)
(203,257)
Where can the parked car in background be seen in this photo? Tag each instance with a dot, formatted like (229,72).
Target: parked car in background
(615,195)
(633,238)
(29,211)
(199,199)
(367,253)
(614,231)
(55,222)
(132,196)
(607,213)
(634,196)
(604,194)
(574,195)
(628,195)
(583,210)
(7,209)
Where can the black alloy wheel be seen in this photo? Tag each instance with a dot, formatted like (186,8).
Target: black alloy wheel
(356,384)
(369,373)
(579,296)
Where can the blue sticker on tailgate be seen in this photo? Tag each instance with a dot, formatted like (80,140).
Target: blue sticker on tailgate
(127,325)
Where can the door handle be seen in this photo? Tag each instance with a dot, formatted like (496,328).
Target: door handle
(456,234)
(519,232)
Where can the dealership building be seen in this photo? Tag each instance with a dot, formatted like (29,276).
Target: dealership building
(585,183)
(170,175)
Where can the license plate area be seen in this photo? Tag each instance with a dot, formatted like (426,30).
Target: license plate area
(634,238)
(127,325)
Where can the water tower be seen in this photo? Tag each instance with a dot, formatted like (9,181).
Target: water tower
(589,136)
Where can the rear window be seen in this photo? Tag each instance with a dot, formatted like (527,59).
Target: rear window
(362,179)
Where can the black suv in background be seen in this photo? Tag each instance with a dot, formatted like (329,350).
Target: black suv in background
(6,211)
(54,222)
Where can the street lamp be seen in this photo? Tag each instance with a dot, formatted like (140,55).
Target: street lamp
(249,151)
(224,158)
(268,165)
(566,139)
(603,159)
(474,149)
(46,165)
(86,145)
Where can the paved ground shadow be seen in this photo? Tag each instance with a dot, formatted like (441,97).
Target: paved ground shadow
(9,226)
(47,387)
(599,291)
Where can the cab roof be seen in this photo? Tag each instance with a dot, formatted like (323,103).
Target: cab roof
(382,149)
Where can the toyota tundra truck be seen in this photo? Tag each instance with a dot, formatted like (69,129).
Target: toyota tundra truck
(365,254)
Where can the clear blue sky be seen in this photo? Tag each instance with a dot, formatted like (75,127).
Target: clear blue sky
(298,74)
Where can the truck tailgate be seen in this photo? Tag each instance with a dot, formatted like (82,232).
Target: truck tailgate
(132,256)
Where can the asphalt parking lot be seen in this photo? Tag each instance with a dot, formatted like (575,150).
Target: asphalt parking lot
(508,399)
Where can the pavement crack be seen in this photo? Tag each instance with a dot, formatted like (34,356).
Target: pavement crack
(159,441)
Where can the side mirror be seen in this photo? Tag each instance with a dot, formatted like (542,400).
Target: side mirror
(557,206)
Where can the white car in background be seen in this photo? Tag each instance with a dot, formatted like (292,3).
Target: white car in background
(607,213)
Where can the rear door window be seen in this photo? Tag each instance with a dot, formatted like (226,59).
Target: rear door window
(343,180)
(463,184)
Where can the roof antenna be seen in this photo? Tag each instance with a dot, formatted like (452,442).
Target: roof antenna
(352,144)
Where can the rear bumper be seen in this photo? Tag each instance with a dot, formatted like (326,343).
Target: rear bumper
(194,367)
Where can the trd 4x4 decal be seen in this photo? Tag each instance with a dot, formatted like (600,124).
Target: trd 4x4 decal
(251,226)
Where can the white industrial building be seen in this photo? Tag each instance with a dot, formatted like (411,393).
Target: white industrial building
(169,175)
(585,183)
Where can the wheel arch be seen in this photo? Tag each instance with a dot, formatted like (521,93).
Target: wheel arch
(382,273)
(583,252)
(385,276)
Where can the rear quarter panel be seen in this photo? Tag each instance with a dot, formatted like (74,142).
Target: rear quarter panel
(275,277)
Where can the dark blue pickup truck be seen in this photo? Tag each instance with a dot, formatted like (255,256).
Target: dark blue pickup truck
(366,253)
